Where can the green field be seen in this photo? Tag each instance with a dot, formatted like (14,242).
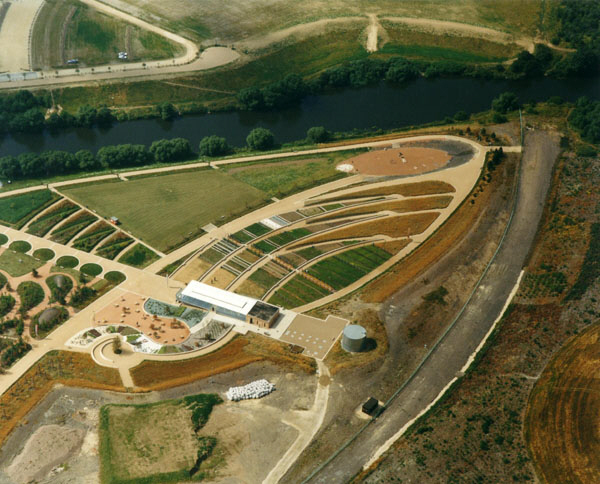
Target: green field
(17,264)
(343,269)
(164,210)
(67,29)
(156,442)
(283,178)
(17,210)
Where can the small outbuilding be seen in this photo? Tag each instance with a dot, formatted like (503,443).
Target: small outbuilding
(114,220)
(370,406)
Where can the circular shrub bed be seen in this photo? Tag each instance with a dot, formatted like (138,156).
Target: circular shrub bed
(44,254)
(31,294)
(20,246)
(91,269)
(67,261)
(3,239)
(115,277)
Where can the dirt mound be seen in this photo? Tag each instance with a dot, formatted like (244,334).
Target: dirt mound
(48,447)
(397,161)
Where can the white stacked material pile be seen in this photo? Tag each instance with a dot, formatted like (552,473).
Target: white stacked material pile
(256,389)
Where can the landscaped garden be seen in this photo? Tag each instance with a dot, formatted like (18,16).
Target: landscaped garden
(114,245)
(139,256)
(17,210)
(56,214)
(92,236)
(72,227)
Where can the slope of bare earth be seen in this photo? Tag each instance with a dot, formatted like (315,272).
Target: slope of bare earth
(14,35)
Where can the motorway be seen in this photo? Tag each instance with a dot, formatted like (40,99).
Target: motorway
(450,356)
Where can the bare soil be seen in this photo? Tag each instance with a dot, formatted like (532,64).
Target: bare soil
(399,161)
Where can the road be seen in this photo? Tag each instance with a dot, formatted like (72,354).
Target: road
(450,356)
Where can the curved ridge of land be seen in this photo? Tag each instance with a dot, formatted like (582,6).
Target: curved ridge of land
(561,421)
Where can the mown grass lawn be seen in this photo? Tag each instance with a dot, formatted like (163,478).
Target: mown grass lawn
(163,210)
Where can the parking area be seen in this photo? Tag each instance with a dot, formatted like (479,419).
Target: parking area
(316,336)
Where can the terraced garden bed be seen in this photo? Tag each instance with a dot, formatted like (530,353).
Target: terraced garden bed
(211,256)
(398,206)
(17,210)
(42,225)
(258,229)
(72,227)
(341,270)
(297,292)
(242,237)
(139,256)
(417,189)
(113,246)
(92,236)
(397,226)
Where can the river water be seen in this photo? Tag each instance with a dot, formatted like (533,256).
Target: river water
(381,106)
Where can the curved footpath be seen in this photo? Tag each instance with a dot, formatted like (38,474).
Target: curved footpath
(449,358)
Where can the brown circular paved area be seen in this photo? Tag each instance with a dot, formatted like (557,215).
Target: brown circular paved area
(398,161)
(128,309)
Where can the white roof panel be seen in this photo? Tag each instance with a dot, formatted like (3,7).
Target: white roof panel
(219,297)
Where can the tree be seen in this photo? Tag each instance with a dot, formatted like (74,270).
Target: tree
(166,111)
(86,161)
(318,134)
(401,70)
(213,146)
(167,150)
(116,345)
(461,116)
(507,101)
(251,98)
(260,139)
(34,273)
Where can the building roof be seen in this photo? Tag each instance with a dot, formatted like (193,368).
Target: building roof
(218,297)
(355,331)
(263,311)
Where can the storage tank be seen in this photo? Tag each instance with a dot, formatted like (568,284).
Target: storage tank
(353,338)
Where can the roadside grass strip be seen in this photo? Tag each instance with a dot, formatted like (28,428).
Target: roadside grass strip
(42,225)
(343,269)
(112,247)
(72,227)
(139,256)
(17,210)
(297,292)
(92,236)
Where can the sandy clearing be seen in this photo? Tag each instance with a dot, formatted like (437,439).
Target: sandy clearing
(372,32)
(298,32)
(14,35)
(397,161)
(48,447)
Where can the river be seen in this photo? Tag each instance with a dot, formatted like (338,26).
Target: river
(382,105)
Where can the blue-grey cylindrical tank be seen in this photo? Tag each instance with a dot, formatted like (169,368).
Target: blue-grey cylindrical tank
(353,338)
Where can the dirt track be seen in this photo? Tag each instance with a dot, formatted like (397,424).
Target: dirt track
(443,364)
